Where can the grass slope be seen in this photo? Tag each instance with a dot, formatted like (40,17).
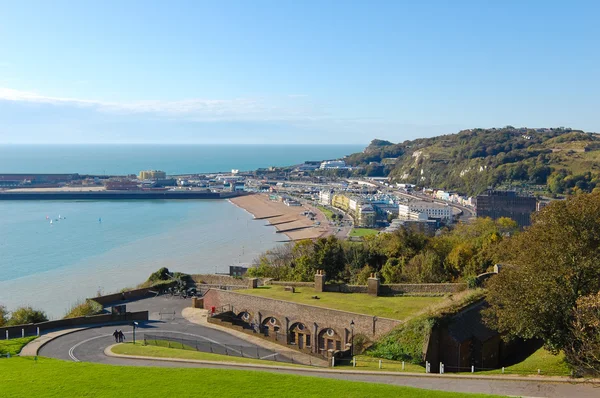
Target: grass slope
(55,378)
(162,351)
(548,363)
(400,307)
(14,346)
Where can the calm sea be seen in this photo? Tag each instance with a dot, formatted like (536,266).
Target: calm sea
(52,266)
(174,159)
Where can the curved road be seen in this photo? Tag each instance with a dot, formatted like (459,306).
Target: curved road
(89,344)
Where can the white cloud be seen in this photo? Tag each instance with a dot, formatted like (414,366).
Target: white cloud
(239,109)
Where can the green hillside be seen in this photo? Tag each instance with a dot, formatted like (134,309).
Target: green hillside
(557,160)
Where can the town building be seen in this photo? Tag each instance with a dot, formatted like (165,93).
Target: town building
(496,204)
(363,213)
(325,197)
(152,175)
(432,210)
(366,216)
(333,164)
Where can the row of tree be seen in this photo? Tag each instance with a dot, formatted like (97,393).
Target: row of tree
(455,254)
(21,316)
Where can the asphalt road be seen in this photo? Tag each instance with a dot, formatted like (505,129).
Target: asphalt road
(88,345)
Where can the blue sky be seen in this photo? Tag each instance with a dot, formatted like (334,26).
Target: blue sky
(292,71)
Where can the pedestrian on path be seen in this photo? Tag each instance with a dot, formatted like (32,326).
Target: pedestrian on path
(121,336)
(116,336)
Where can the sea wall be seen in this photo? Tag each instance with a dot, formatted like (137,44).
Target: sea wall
(115,195)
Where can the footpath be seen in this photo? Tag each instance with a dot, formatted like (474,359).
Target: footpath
(33,347)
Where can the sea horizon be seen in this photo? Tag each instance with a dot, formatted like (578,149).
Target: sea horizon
(174,159)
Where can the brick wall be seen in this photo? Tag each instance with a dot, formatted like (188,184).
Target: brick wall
(441,288)
(224,280)
(295,284)
(288,313)
(134,294)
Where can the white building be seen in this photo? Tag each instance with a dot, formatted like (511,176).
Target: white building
(325,197)
(333,164)
(432,210)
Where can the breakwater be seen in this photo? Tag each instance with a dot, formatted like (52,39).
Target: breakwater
(116,195)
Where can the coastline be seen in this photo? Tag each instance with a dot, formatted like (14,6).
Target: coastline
(287,220)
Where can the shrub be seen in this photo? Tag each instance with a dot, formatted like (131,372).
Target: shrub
(24,315)
(86,308)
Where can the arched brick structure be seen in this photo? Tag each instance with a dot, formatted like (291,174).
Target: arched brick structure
(246,316)
(330,339)
(270,325)
(300,335)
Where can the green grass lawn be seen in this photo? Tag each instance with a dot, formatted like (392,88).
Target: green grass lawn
(14,346)
(364,362)
(55,378)
(162,351)
(400,307)
(550,365)
(362,232)
(328,213)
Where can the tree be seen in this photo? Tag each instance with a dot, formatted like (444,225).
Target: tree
(553,263)
(392,270)
(25,315)
(583,352)
(3,315)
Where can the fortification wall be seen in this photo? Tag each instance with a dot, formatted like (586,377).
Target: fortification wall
(288,313)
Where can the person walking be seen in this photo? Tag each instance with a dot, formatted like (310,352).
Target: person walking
(116,336)
(121,336)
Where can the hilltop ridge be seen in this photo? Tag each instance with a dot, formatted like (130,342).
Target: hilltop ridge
(556,160)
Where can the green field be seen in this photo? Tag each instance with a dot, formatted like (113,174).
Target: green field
(14,346)
(54,378)
(162,351)
(400,307)
(362,232)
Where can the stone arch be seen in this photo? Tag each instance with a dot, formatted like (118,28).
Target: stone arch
(330,339)
(271,326)
(300,335)
(245,316)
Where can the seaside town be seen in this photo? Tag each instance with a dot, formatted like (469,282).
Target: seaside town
(299,199)
(345,207)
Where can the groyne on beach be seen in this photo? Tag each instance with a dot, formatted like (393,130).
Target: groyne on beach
(288,220)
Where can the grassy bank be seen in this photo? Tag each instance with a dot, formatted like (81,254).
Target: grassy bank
(548,364)
(54,378)
(162,351)
(400,307)
(14,346)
